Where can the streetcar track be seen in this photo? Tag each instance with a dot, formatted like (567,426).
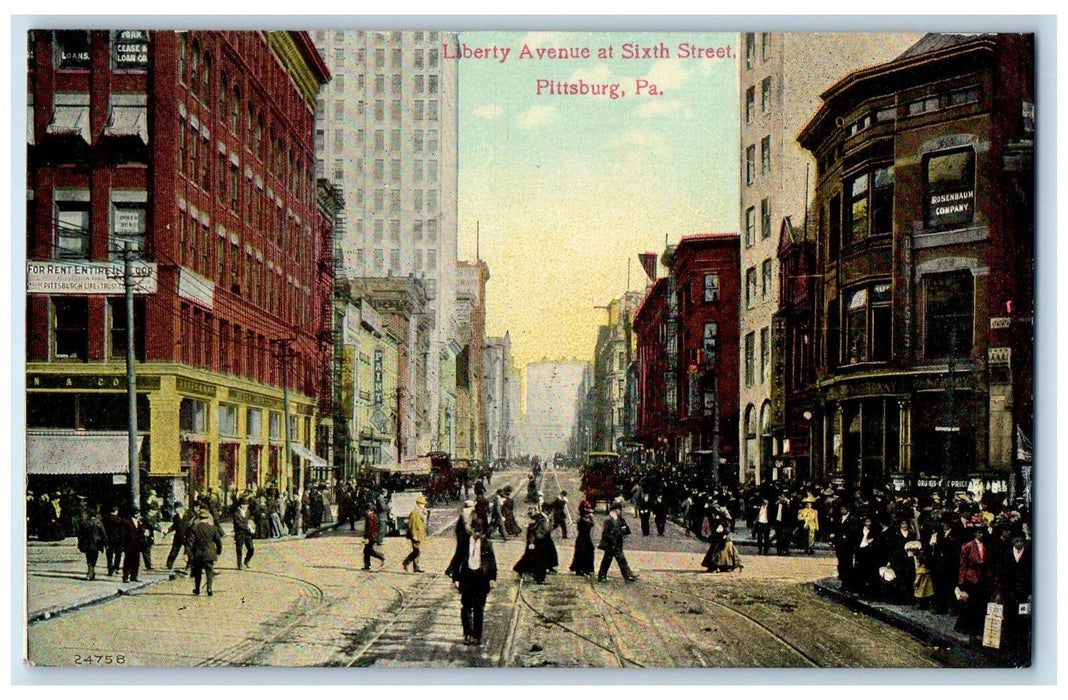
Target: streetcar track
(809,659)
(249,646)
(405,606)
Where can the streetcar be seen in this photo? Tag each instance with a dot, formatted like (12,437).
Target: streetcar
(601,475)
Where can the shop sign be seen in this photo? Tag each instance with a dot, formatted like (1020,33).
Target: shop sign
(131,49)
(45,277)
(950,208)
(191,386)
(964,484)
(88,381)
(248,398)
(378,377)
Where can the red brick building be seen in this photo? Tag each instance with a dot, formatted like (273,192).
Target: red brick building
(196,148)
(925,240)
(687,336)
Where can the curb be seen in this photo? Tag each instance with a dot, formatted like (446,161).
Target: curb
(922,632)
(55,610)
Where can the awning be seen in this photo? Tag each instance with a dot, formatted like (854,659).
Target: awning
(419,465)
(304,453)
(78,452)
(128,121)
(72,120)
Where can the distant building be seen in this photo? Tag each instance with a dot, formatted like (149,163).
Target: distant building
(386,132)
(613,383)
(550,416)
(466,428)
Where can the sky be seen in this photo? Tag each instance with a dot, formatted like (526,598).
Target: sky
(566,190)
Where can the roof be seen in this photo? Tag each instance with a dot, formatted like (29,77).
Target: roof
(936,42)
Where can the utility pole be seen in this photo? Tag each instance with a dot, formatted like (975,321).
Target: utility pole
(283,357)
(131,379)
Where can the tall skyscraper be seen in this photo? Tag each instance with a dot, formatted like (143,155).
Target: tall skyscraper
(386,133)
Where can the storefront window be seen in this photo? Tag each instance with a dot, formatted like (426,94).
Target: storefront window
(191,416)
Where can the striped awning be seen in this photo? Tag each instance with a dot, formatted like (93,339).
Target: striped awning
(78,452)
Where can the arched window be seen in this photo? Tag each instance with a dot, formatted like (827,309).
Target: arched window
(181,57)
(765,441)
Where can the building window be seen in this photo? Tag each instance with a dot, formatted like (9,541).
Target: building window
(963,97)
(750,164)
(70,328)
(228,420)
(765,46)
(127,226)
(72,49)
(949,185)
(765,279)
(750,359)
(765,95)
(949,313)
(433,57)
(765,155)
(192,416)
(858,126)
(869,211)
(750,227)
(765,353)
(708,340)
(750,49)
(765,217)
(711,287)
(72,231)
(750,105)
(750,286)
(927,104)
(867,324)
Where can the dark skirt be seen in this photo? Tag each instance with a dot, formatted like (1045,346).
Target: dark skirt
(582,560)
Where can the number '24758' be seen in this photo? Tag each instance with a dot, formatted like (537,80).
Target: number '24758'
(99,659)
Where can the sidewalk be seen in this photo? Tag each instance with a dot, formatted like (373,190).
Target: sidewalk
(933,629)
(55,573)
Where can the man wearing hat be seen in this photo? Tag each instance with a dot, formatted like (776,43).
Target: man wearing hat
(613,531)
(244,528)
(180,522)
(205,545)
(132,532)
(113,526)
(416,533)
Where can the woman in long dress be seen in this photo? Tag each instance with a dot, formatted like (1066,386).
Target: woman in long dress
(582,561)
(508,514)
(721,554)
(540,553)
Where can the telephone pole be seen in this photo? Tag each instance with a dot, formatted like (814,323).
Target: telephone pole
(283,358)
(131,379)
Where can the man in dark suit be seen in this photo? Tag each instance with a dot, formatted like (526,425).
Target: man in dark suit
(132,533)
(113,526)
(1014,582)
(614,530)
(205,545)
(244,529)
(180,522)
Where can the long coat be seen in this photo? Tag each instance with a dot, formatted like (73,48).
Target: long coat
(205,541)
(582,561)
(91,535)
